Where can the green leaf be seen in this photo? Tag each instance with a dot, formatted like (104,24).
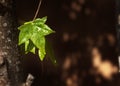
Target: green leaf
(39,42)
(41,47)
(40,21)
(29,47)
(26,32)
(45,30)
(41,55)
(28,22)
(26,46)
(33,34)
(50,52)
(33,50)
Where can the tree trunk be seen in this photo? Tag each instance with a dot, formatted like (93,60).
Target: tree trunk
(10,71)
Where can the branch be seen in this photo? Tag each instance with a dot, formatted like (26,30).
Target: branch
(37,10)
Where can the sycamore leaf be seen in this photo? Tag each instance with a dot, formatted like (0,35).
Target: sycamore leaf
(26,46)
(41,55)
(45,30)
(40,21)
(26,32)
(41,47)
(33,50)
(39,42)
(29,47)
(32,34)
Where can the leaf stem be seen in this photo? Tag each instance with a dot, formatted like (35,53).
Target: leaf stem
(38,8)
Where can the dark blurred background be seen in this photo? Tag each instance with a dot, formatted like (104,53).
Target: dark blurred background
(85,42)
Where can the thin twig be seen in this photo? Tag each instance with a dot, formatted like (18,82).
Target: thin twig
(38,8)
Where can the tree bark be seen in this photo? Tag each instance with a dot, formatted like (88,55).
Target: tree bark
(10,71)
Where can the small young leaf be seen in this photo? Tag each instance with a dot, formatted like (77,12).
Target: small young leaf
(39,42)
(26,32)
(26,46)
(41,55)
(42,52)
(28,22)
(40,21)
(45,30)
(41,48)
(29,47)
(33,34)
(33,50)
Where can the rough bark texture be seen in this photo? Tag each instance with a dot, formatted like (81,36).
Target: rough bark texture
(10,74)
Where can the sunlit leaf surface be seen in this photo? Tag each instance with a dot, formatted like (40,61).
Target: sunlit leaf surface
(32,34)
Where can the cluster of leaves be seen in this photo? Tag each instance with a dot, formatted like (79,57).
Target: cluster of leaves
(32,34)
